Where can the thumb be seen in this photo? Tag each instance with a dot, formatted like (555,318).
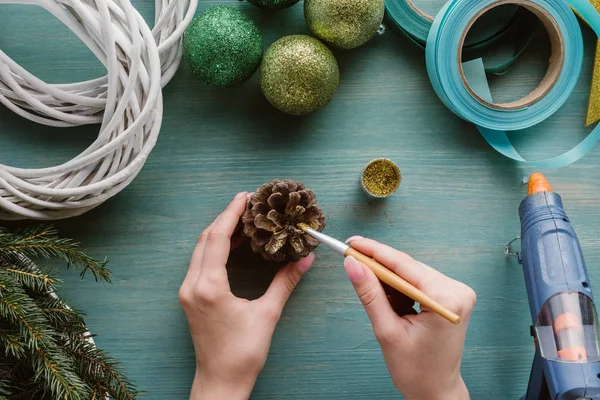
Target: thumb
(285,282)
(370,292)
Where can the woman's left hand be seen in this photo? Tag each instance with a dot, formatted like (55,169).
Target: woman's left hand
(231,335)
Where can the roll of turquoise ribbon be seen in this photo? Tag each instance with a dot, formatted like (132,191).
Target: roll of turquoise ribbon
(472,101)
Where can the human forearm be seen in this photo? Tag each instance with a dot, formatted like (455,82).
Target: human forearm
(462,393)
(458,392)
(205,388)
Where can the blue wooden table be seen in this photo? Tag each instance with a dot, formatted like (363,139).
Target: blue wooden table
(455,210)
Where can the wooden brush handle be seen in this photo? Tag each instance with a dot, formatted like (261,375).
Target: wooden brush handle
(387,276)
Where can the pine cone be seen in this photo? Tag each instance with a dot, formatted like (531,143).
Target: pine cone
(272,217)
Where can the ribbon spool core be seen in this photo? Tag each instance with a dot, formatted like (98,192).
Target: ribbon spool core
(555,63)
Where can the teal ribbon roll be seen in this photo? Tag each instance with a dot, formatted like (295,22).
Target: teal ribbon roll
(463,87)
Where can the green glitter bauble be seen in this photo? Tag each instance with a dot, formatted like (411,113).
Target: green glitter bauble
(344,23)
(299,74)
(273,4)
(222,46)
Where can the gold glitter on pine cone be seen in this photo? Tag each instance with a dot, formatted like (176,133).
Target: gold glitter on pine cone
(272,217)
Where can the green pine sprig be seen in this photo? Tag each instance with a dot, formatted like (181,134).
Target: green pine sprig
(45,352)
(93,362)
(42,242)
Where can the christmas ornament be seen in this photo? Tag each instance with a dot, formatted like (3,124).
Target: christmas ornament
(132,113)
(272,217)
(273,4)
(344,23)
(47,351)
(299,74)
(223,46)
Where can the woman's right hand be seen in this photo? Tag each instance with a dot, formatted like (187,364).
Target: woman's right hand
(422,351)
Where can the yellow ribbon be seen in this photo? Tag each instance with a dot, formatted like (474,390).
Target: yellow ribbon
(593,111)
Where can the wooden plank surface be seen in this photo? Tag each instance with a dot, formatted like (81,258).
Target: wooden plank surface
(455,210)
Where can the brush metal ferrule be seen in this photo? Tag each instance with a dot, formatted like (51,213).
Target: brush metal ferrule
(334,244)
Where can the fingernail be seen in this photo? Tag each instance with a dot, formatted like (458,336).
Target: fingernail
(353,269)
(354,238)
(249,195)
(240,195)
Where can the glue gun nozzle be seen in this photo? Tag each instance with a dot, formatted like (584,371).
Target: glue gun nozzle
(538,183)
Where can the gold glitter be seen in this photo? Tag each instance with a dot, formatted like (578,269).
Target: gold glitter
(303,226)
(381,177)
(344,23)
(593,111)
(299,74)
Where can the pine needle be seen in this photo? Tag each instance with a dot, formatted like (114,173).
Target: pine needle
(92,361)
(43,242)
(45,349)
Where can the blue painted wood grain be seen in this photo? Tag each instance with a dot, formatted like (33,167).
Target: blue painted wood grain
(455,210)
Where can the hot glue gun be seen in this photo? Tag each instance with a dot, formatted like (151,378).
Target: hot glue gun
(565,324)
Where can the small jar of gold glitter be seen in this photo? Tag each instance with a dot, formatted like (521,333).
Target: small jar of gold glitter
(380,178)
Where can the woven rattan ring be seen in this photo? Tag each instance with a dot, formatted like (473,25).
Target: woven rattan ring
(83,103)
(132,112)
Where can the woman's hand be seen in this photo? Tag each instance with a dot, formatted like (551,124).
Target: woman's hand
(422,351)
(231,336)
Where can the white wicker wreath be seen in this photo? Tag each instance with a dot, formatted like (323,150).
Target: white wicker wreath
(132,113)
(127,102)
(83,103)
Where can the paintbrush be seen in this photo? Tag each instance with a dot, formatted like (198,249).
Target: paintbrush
(384,274)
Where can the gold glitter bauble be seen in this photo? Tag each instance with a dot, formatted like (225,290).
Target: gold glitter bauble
(299,74)
(344,23)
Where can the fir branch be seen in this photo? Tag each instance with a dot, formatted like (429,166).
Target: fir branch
(13,345)
(22,384)
(99,393)
(17,307)
(7,366)
(43,242)
(4,390)
(61,317)
(55,369)
(58,376)
(92,363)
(31,276)
(47,352)
(42,280)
